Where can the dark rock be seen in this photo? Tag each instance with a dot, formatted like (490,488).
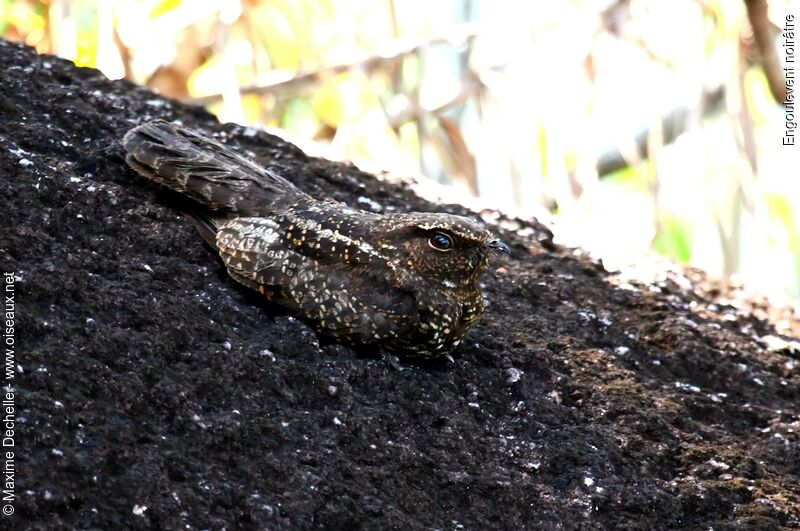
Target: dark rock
(154,392)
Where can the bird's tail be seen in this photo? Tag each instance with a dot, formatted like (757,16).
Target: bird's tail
(204,170)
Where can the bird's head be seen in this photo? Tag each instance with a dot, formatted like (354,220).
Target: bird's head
(451,249)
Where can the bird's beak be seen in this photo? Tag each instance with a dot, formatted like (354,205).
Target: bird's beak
(495,244)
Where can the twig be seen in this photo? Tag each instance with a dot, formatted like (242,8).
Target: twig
(285,81)
(673,124)
(411,109)
(762,32)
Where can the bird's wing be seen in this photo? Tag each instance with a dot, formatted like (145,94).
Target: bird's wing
(255,254)
(331,233)
(342,299)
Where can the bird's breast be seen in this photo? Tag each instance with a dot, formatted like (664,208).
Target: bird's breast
(446,317)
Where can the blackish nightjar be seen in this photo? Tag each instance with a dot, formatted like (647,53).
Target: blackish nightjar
(405,282)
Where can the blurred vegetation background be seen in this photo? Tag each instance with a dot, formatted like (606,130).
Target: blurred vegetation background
(635,125)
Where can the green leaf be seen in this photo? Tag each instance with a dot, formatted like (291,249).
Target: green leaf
(674,240)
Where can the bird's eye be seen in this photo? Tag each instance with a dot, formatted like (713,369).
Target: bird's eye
(441,241)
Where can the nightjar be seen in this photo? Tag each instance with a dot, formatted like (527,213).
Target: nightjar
(405,282)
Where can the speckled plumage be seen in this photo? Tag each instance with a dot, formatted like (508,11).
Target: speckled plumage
(405,282)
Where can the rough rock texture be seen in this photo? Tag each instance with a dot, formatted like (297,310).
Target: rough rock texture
(154,392)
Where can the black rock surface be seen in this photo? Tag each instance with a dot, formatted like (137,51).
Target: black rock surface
(153,392)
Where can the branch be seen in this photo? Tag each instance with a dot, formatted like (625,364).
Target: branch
(672,125)
(292,82)
(762,32)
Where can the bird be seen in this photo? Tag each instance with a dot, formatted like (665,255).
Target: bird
(407,283)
